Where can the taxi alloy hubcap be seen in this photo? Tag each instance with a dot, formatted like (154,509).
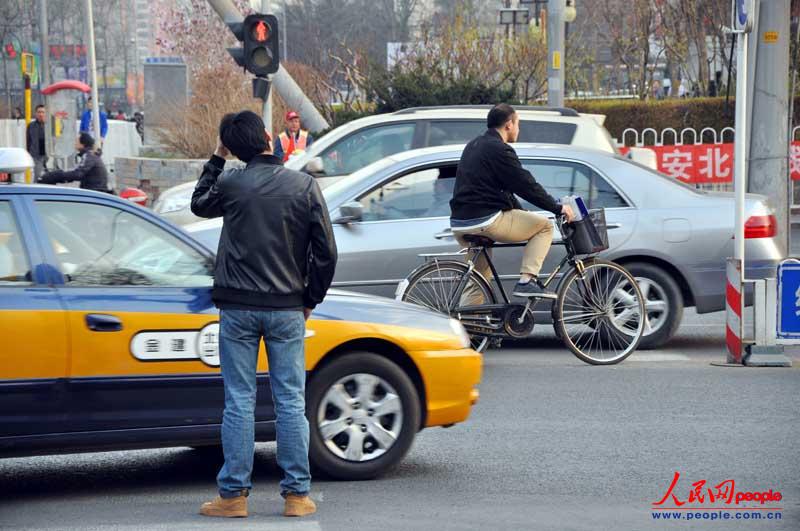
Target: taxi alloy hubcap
(360,417)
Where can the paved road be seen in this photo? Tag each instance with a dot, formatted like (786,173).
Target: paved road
(553,444)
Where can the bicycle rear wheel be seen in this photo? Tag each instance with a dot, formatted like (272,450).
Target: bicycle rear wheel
(600,315)
(434,286)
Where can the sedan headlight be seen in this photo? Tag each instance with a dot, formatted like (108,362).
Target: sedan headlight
(459,330)
(172,204)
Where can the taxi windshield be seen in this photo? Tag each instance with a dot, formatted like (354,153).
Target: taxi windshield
(98,245)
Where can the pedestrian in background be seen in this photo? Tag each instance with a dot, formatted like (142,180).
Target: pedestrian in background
(17,114)
(293,139)
(91,170)
(87,124)
(35,144)
(138,119)
(275,263)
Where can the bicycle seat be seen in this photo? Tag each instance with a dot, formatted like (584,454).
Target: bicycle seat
(480,241)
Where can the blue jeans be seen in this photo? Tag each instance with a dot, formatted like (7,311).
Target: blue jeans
(284,335)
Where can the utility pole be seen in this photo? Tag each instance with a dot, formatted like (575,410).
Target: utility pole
(555,53)
(45,38)
(768,153)
(266,111)
(93,68)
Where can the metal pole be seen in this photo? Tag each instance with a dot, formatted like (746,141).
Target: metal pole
(282,81)
(768,149)
(45,37)
(740,147)
(266,110)
(555,53)
(93,68)
(27,79)
(285,39)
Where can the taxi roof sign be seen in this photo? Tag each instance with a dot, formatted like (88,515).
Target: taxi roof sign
(15,160)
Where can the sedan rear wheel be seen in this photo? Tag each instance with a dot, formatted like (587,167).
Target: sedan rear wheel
(663,303)
(363,412)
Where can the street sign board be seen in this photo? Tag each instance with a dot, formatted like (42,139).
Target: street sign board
(743,13)
(789,299)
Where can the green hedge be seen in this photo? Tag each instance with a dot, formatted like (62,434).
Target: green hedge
(677,113)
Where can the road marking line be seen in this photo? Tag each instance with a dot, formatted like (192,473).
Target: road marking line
(658,357)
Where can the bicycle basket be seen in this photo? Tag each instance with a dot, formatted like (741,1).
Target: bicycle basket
(589,235)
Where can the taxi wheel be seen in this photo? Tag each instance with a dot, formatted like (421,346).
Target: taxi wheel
(363,413)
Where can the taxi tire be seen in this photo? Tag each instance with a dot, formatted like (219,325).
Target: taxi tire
(361,362)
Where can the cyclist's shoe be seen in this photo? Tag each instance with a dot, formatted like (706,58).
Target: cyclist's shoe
(533,288)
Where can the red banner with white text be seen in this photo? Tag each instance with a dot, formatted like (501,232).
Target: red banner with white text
(707,163)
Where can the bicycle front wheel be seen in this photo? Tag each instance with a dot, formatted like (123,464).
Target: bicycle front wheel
(600,314)
(435,285)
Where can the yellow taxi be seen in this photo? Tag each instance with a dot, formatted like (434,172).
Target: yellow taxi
(109,341)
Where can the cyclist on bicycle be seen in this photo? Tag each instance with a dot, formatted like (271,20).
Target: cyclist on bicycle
(489,174)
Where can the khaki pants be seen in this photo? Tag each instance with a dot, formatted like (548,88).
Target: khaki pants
(511,227)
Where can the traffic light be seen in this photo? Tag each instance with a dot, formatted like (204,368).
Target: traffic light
(260,52)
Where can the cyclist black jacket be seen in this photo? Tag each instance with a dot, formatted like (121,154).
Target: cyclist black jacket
(277,250)
(489,174)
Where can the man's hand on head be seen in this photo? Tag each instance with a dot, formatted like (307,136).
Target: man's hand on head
(221,150)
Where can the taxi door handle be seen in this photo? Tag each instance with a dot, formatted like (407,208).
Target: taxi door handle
(100,322)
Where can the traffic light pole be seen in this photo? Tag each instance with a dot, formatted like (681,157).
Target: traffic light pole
(291,93)
(266,112)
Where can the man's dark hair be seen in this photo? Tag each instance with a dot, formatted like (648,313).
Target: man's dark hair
(499,115)
(40,106)
(86,140)
(243,134)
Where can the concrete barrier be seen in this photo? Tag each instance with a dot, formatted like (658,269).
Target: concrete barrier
(153,176)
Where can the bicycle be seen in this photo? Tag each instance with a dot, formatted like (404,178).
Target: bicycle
(598,309)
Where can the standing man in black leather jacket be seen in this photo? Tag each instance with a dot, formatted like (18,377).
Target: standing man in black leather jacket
(275,263)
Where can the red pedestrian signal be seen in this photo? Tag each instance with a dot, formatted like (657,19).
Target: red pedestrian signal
(259,36)
(261,31)
(12,53)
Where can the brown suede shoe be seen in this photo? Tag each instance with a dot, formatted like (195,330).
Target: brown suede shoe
(226,507)
(298,505)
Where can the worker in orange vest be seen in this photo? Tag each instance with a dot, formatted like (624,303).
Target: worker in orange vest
(293,139)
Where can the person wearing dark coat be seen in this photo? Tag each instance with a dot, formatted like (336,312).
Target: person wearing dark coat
(91,171)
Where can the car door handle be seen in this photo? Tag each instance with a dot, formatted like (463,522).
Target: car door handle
(613,225)
(99,322)
(445,234)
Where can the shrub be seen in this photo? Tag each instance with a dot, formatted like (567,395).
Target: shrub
(677,113)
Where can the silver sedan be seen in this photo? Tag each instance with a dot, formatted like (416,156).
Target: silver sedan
(673,238)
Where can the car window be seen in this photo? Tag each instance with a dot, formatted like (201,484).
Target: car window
(546,132)
(455,132)
(421,194)
(365,147)
(15,268)
(99,245)
(561,178)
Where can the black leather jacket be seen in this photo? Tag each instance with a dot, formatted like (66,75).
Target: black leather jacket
(277,249)
(489,174)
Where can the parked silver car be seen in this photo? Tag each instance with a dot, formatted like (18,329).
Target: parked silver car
(673,238)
